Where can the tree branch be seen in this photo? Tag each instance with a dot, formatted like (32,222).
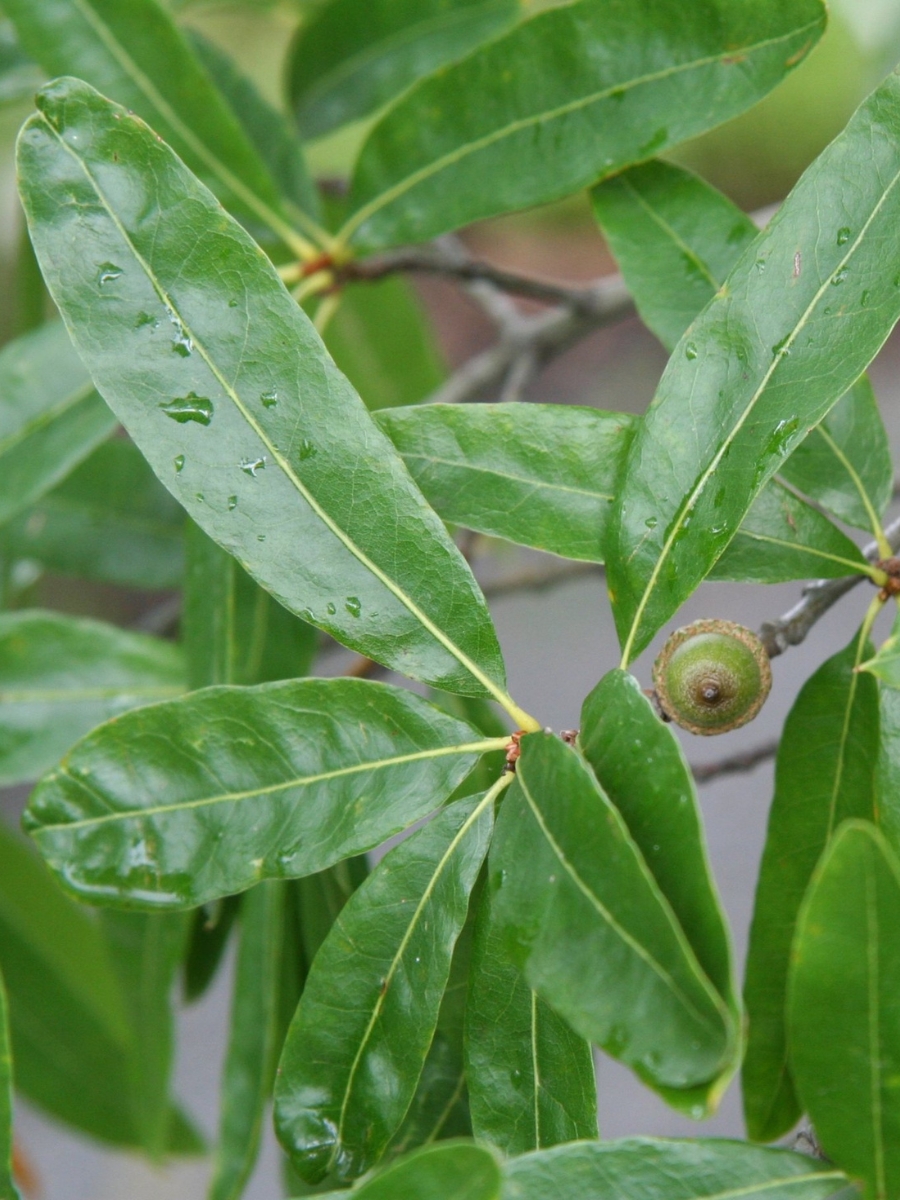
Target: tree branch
(746,761)
(791,628)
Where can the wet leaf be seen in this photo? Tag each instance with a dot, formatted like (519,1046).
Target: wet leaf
(824,774)
(358,1042)
(50,416)
(530,1077)
(565,98)
(764,362)
(588,926)
(541,475)
(844,1007)
(227,389)
(180,803)
(353,56)
(61,676)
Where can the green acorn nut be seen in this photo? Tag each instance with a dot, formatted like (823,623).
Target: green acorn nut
(712,676)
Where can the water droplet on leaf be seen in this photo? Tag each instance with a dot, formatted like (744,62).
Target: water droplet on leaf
(331,609)
(353,606)
(843,236)
(839,276)
(651,522)
(690,351)
(307,449)
(251,465)
(269,398)
(179,463)
(189,408)
(108,273)
(144,319)
(232,503)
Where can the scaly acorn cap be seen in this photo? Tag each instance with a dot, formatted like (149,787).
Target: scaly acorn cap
(712,676)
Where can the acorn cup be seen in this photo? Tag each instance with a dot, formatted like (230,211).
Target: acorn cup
(712,676)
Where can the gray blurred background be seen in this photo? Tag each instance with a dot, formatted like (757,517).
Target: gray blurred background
(560,639)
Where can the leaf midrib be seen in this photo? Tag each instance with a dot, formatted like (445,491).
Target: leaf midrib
(415,916)
(454,156)
(691,499)
(858,568)
(538,484)
(657,968)
(343,537)
(298,781)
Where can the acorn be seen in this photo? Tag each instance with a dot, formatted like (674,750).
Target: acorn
(712,676)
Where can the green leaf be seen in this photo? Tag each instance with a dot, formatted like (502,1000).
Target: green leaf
(358,1042)
(64,675)
(227,389)
(320,898)
(234,632)
(887,770)
(207,940)
(782,537)
(641,767)
(50,416)
(253,1041)
(353,56)
(265,127)
(542,475)
(763,364)
(145,950)
(824,774)
(440,1108)
(530,1077)
(452,1171)
(380,338)
(8,1190)
(593,935)
(844,1007)
(675,239)
(566,98)
(699,1169)
(111,520)
(71,1034)
(845,463)
(885,665)
(136,54)
(183,802)
(19,77)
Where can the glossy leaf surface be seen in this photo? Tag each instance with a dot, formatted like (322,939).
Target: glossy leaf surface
(562,100)
(824,774)
(71,1035)
(184,802)
(762,364)
(530,1077)
(700,1169)
(782,537)
(145,950)
(355,55)
(226,387)
(111,520)
(358,1042)
(8,1189)
(845,463)
(454,1171)
(382,341)
(253,1040)
(50,416)
(844,1007)
(440,1107)
(264,126)
(61,676)
(135,54)
(542,475)
(234,632)
(565,873)
(675,238)
(887,771)
(641,767)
